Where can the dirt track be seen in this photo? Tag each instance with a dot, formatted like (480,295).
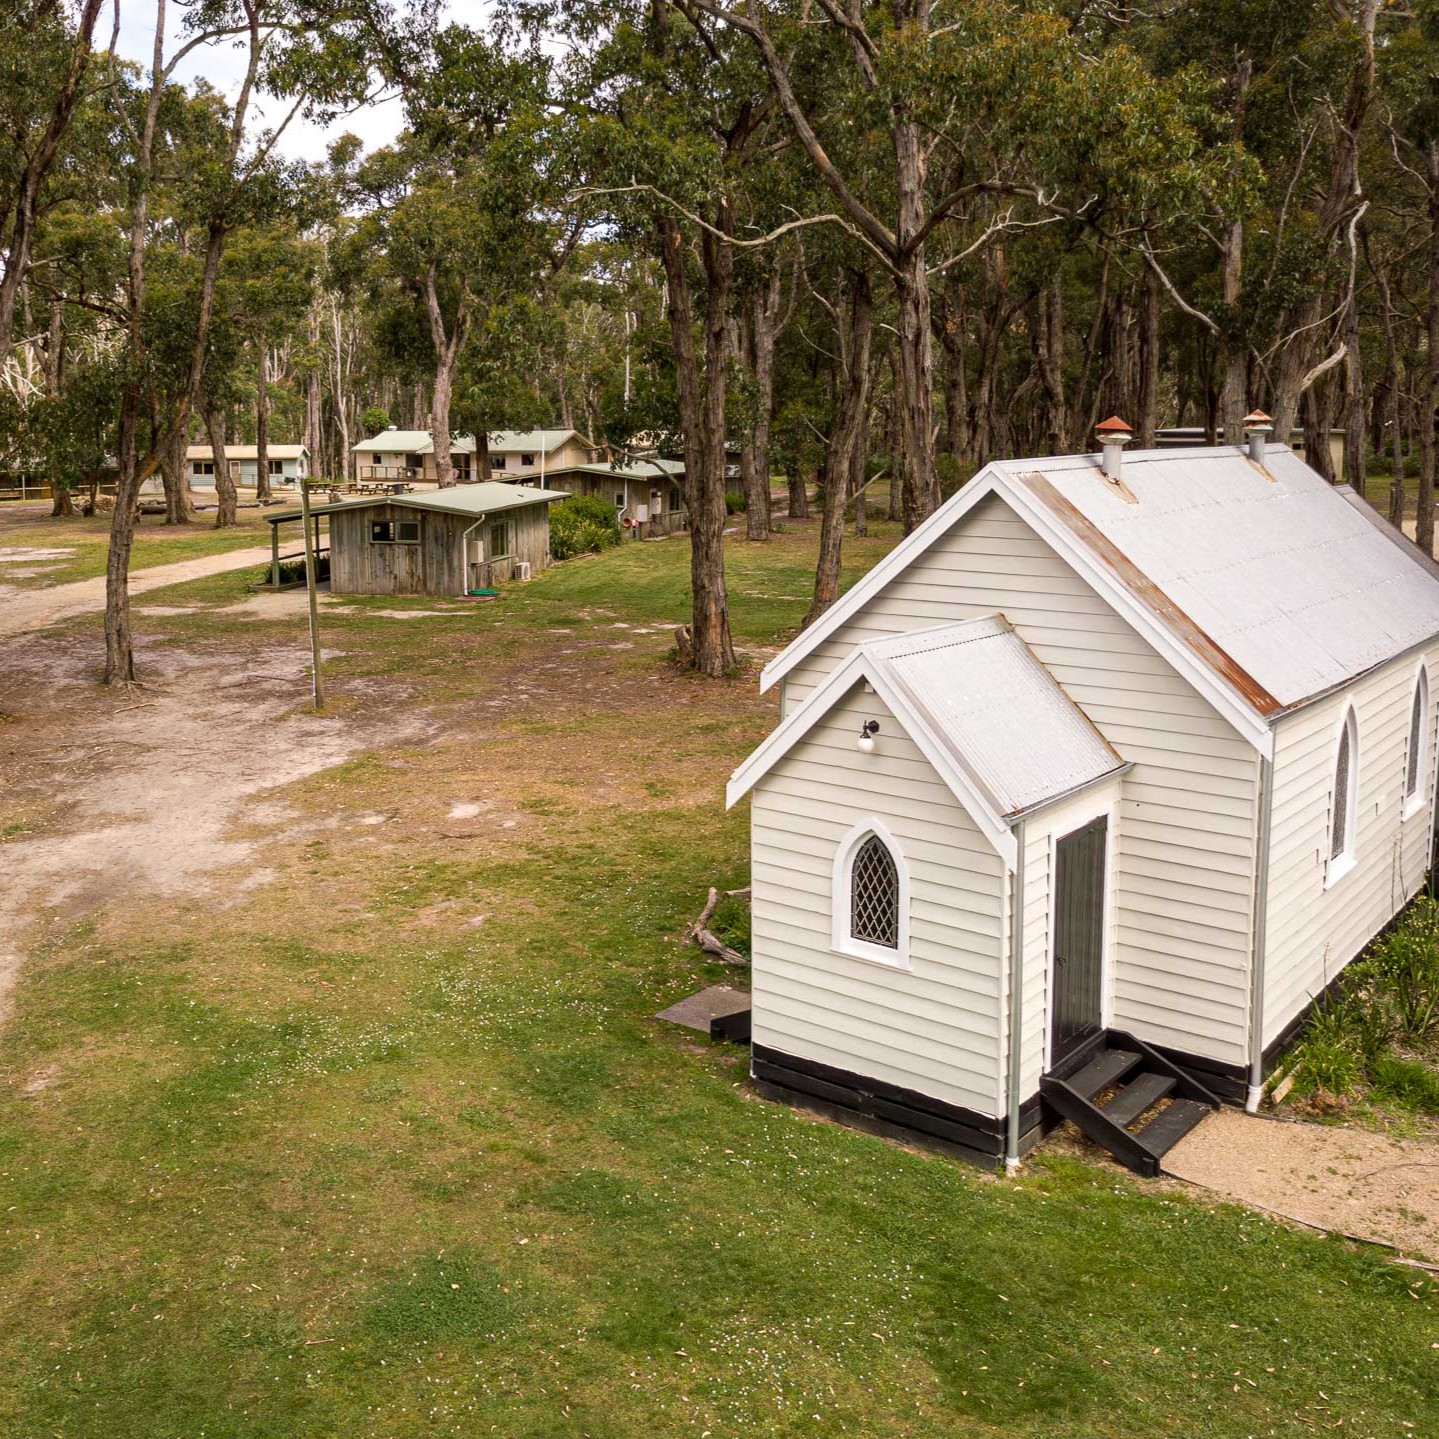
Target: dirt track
(36,609)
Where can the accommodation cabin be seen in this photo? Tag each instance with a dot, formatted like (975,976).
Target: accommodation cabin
(442,542)
(530,456)
(287,464)
(1090,788)
(648,494)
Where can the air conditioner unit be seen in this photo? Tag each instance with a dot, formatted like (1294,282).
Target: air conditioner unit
(522,569)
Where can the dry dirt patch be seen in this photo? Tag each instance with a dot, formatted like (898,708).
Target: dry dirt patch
(148,798)
(1351,1181)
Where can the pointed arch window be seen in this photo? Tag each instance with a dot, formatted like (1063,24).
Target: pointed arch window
(871,897)
(1345,800)
(1414,760)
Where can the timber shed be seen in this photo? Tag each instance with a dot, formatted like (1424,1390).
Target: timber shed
(1083,796)
(442,542)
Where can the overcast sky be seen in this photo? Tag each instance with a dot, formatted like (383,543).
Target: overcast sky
(224,67)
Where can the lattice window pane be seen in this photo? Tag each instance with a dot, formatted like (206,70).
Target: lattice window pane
(874,895)
(1337,842)
(1416,738)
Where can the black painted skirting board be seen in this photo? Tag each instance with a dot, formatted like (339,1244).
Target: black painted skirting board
(885,1109)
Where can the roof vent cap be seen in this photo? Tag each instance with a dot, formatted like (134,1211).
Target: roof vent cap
(1256,425)
(1113,434)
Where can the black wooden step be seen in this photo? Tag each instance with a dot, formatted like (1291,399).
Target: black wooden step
(1165,1130)
(1142,1091)
(1106,1068)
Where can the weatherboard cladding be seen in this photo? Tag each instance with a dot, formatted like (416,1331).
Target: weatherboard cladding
(972,682)
(1184,838)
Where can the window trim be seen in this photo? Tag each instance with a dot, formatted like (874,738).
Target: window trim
(841,938)
(1336,866)
(511,539)
(394,535)
(1418,739)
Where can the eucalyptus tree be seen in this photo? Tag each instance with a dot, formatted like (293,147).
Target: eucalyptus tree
(455,212)
(318,55)
(46,61)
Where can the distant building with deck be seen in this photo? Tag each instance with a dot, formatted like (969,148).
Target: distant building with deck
(288,464)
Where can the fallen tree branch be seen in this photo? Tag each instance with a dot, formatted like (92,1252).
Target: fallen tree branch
(700,933)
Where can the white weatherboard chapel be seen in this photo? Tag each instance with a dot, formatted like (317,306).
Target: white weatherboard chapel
(1177,701)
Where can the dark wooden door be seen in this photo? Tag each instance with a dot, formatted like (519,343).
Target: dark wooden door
(1077,1008)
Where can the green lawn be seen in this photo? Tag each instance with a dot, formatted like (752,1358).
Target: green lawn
(325,1161)
(30,526)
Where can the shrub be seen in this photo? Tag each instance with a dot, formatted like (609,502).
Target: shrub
(375,419)
(1328,1056)
(585,524)
(293,571)
(1405,967)
(734,502)
(1410,1081)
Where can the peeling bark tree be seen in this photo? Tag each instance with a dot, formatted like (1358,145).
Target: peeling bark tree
(705,643)
(853,335)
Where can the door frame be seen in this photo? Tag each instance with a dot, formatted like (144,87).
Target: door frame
(1103,806)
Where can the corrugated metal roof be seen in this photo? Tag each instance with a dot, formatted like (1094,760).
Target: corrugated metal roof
(502,442)
(637,470)
(999,712)
(246,452)
(479,499)
(1294,587)
(414,442)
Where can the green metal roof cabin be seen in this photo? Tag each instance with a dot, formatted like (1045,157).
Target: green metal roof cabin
(445,542)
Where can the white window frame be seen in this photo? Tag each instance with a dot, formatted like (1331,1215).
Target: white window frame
(843,941)
(1414,800)
(1336,866)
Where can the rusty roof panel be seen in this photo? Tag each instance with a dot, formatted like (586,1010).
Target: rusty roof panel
(1276,580)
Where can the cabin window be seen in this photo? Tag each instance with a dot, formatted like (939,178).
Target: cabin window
(394,532)
(1345,801)
(277,467)
(620,500)
(1414,760)
(461,462)
(871,897)
(676,499)
(203,467)
(497,462)
(414,462)
(527,459)
(501,540)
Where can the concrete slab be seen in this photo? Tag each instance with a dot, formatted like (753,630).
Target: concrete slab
(698,1011)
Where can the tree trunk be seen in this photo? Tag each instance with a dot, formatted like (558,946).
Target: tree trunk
(226,506)
(447,353)
(1429,388)
(701,406)
(764,312)
(483,465)
(950,324)
(1050,357)
(798,495)
(854,350)
(916,357)
(1148,389)
(175,477)
(314,432)
(262,427)
(341,419)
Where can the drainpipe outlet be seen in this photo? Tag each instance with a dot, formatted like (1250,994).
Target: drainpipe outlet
(1252,1097)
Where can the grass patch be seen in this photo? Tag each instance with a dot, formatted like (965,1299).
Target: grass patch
(282,1130)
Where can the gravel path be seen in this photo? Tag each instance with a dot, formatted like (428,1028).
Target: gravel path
(1357,1183)
(36,609)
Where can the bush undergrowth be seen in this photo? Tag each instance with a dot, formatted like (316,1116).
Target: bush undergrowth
(1379,1029)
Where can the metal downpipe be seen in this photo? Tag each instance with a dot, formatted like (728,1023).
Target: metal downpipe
(1016,1004)
(1255,1091)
